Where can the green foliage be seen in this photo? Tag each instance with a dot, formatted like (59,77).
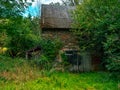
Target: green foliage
(50,48)
(3,36)
(8,64)
(35,25)
(13,8)
(3,39)
(21,37)
(20,74)
(15,32)
(75,82)
(64,58)
(16,70)
(98,29)
(42,62)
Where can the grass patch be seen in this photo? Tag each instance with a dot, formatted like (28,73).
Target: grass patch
(17,70)
(18,74)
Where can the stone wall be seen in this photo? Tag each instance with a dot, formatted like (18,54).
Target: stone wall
(88,62)
(66,37)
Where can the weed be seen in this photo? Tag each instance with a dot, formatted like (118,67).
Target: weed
(18,74)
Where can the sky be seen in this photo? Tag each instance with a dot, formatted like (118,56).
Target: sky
(34,10)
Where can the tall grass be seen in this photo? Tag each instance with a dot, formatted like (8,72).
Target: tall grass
(17,70)
(18,74)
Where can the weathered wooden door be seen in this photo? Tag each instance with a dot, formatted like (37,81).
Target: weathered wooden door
(73,58)
(79,61)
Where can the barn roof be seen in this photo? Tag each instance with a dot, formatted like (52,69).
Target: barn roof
(53,16)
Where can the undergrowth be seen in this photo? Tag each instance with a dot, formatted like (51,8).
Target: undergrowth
(19,74)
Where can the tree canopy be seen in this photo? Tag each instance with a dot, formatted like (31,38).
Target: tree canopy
(97,24)
(16,31)
(12,8)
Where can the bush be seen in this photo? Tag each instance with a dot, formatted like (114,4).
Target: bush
(112,54)
(42,62)
(21,37)
(98,30)
(50,48)
(64,58)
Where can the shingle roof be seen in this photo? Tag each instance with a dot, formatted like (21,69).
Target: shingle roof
(53,16)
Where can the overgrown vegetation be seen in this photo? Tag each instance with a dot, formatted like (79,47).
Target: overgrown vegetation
(98,30)
(50,49)
(20,74)
(11,70)
(97,23)
(21,37)
(16,32)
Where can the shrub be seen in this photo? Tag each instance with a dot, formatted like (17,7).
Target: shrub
(21,37)
(42,62)
(98,29)
(50,48)
(64,58)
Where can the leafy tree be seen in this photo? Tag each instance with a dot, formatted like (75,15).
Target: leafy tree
(21,37)
(3,37)
(16,31)
(12,8)
(35,26)
(98,29)
(35,19)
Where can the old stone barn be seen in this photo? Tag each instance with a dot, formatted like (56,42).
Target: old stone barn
(56,23)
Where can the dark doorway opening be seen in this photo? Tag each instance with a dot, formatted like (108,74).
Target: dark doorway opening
(74,58)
